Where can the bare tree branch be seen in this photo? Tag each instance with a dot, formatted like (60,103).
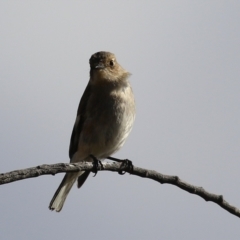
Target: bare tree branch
(116,167)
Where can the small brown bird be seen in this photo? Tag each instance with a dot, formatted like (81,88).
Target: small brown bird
(105,118)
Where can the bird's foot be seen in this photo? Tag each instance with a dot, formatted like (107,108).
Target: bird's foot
(96,164)
(126,163)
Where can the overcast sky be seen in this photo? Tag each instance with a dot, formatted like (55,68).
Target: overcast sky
(184,57)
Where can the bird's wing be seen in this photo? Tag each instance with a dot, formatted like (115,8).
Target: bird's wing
(77,128)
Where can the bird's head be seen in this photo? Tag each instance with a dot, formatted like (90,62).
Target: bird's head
(104,67)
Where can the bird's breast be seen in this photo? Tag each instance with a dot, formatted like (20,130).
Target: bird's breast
(108,121)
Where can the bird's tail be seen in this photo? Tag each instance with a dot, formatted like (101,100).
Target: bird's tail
(64,188)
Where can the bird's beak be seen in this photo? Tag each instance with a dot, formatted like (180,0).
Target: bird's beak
(100,65)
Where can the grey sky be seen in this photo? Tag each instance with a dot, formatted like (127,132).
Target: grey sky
(184,58)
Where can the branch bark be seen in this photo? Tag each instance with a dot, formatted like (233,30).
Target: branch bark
(116,167)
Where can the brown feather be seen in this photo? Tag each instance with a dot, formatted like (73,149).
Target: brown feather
(77,128)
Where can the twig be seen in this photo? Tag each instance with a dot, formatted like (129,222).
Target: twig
(116,167)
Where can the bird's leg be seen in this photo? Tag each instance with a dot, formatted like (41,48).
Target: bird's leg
(96,163)
(125,163)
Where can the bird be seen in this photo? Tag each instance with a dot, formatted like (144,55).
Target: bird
(105,117)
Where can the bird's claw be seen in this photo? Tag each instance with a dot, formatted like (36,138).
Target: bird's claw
(126,164)
(96,164)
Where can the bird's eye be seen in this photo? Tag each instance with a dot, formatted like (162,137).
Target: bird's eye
(111,63)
